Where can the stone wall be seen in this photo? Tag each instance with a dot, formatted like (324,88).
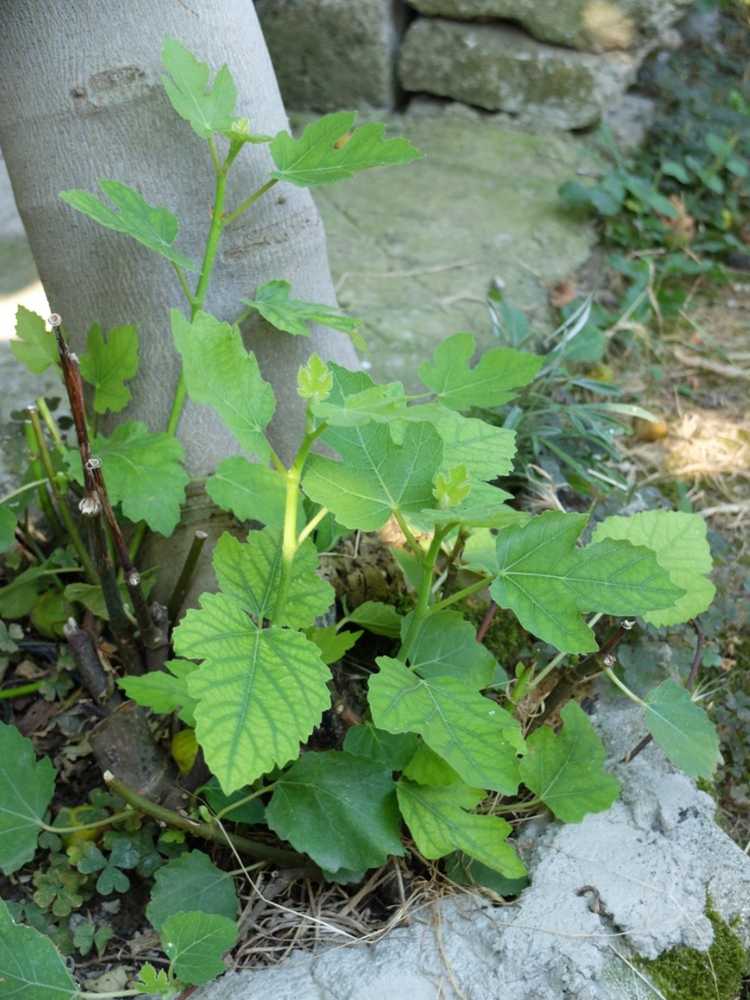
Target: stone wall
(551,63)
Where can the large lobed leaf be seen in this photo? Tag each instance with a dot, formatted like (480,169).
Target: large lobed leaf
(26,789)
(260,692)
(191,881)
(108,363)
(474,735)
(331,149)
(682,549)
(152,226)
(447,647)
(31,968)
(438,820)
(338,808)
(295,316)
(548,581)
(208,110)
(566,770)
(220,373)
(250,491)
(496,378)
(143,472)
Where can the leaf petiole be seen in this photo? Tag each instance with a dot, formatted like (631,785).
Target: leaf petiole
(249,201)
(311,525)
(243,801)
(624,688)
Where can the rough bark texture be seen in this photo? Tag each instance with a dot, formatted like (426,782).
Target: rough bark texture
(83,100)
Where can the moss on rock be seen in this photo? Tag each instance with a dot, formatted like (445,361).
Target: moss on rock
(689,974)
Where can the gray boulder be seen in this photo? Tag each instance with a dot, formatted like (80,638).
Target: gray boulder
(594,25)
(651,864)
(333,54)
(499,68)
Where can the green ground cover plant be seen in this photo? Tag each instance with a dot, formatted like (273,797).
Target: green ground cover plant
(443,753)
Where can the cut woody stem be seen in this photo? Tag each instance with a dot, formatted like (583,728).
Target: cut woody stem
(97,500)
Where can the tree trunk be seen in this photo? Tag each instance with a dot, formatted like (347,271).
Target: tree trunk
(82,100)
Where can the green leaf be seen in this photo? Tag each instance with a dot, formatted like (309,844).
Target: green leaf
(447,646)
(143,472)
(427,768)
(260,692)
(26,789)
(682,729)
(250,491)
(484,507)
(474,735)
(682,549)
(486,451)
(208,110)
(328,150)
(451,488)
(220,373)
(108,364)
(463,870)
(163,691)
(189,881)
(250,572)
(244,812)
(35,346)
(566,770)
(91,596)
(375,476)
(392,751)
(155,983)
(314,380)
(154,227)
(547,581)
(294,316)
(31,968)
(8,520)
(439,823)
(332,644)
(495,379)
(382,403)
(381,619)
(339,809)
(196,943)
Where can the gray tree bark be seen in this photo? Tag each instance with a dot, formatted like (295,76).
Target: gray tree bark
(82,99)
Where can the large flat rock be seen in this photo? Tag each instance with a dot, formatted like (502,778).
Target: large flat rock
(500,68)
(414,249)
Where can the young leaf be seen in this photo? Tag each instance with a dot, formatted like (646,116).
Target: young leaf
(447,647)
(35,346)
(294,316)
(486,451)
(207,109)
(566,770)
(452,487)
(154,227)
(332,644)
(339,809)
(31,968)
(381,619)
(682,729)
(484,507)
(108,364)
(392,751)
(191,880)
(250,491)
(196,942)
(260,692)
(250,572)
(143,472)
(495,379)
(438,821)
(682,549)
(220,373)
(26,789)
(474,735)
(314,380)
(163,691)
(548,582)
(332,149)
(375,476)
(155,983)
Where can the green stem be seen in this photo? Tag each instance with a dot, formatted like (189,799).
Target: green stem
(114,818)
(311,525)
(624,688)
(422,608)
(51,423)
(408,534)
(62,501)
(22,689)
(254,849)
(181,277)
(249,201)
(459,595)
(557,659)
(517,807)
(38,472)
(22,489)
(81,995)
(244,801)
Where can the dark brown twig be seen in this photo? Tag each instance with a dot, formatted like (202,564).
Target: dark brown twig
(486,622)
(88,664)
(700,641)
(181,587)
